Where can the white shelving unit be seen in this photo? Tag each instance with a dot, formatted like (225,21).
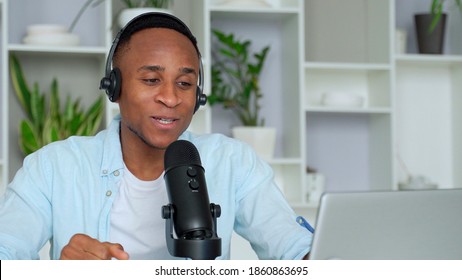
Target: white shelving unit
(429,92)
(77,69)
(281,28)
(412,103)
(429,102)
(348,52)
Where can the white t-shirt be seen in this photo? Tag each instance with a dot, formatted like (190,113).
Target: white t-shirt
(136,221)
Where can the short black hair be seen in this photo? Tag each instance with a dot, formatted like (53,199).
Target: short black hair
(154,20)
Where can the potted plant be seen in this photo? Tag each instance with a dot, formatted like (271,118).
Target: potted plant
(46,124)
(430,27)
(235,85)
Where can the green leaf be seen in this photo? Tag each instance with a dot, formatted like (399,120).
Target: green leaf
(20,87)
(75,123)
(46,131)
(37,104)
(54,134)
(227,53)
(68,110)
(51,131)
(95,116)
(436,10)
(92,118)
(29,142)
(45,125)
(235,73)
(54,102)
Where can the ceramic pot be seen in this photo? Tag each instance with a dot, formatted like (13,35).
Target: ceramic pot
(262,139)
(430,42)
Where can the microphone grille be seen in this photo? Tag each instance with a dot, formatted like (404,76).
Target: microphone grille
(181,152)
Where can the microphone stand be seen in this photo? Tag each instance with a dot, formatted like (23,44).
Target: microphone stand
(196,249)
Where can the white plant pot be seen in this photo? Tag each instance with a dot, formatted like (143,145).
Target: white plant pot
(262,139)
(128,14)
(50,35)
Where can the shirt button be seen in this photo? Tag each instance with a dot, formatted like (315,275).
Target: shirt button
(108,193)
(104,171)
(116,173)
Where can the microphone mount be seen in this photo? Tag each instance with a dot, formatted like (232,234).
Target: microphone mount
(196,249)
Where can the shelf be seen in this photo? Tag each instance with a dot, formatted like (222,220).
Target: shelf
(370,82)
(429,60)
(273,12)
(269,11)
(78,50)
(264,6)
(325,109)
(250,14)
(285,161)
(347,66)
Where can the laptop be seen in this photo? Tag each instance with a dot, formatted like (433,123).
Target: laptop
(392,225)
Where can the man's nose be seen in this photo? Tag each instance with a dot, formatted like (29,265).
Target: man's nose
(168,95)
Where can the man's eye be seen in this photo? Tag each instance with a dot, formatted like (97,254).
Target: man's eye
(184,84)
(151,81)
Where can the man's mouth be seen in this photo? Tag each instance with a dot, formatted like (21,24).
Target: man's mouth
(164,120)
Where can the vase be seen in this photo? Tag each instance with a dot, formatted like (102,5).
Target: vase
(262,139)
(401,41)
(429,42)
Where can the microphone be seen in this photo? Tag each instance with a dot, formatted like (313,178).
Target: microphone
(193,216)
(187,191)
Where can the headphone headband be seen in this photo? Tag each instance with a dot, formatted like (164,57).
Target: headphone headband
(112,81)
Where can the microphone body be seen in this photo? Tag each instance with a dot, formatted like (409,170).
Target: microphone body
(187,192)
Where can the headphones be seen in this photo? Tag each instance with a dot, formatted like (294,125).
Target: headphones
(111,83)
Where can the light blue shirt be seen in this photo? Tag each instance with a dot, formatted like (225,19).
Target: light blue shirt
(69,186)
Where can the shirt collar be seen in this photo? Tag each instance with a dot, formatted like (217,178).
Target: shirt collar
(112,149)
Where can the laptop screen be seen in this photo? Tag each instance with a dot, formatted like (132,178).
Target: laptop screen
(424,224)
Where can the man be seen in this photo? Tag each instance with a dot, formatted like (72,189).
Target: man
(100,197)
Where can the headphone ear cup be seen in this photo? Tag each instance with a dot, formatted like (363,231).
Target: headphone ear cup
(201,99)
(105,84)
(112,84)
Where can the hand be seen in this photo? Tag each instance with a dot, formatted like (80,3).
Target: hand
(83,247)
